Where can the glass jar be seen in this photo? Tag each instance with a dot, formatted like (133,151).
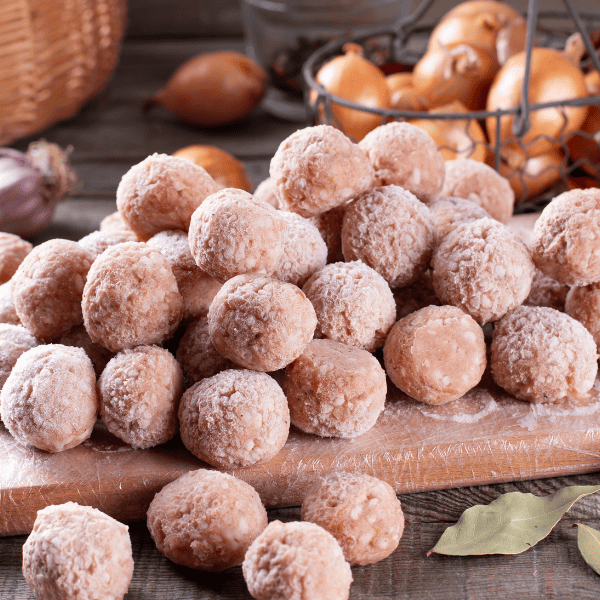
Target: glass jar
(282,34)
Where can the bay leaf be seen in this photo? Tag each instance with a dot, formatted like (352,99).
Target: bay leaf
(511,524)
(588,540)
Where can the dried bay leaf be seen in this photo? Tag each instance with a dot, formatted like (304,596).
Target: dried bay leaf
(510,524)
(588,540)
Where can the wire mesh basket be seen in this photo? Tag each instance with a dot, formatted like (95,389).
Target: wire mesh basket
(571,158)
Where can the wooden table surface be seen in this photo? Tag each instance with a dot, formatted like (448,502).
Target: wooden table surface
(111,134)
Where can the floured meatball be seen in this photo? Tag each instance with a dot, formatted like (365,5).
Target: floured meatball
(197,354)
(77,553)
(13,251)
(353,303)
(329,225)
(261,323)
(98,241)
(161,193)
(415,296)
(361,512)
(8,314)
(304,250)
(479,183)
(14,340)
(196,287)
(435,354)
(335,390)
(49,399)
(566,237)
(206,520)
(233,233)
(543,355)
(448,213)
(78,336)
(583,304)
(266,192)
(131,298)
(318,168)
(404,155)
(296,561)
(546,291)
(236,418)
(114,222)
(392,232)
(139,394)
(48,286)
(483,268)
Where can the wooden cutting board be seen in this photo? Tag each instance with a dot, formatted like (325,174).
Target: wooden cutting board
(487,436)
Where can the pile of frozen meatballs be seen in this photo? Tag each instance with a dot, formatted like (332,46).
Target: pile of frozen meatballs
(173,316)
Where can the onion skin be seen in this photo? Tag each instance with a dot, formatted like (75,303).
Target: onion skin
(587,149)
(492,26)
(538,174)
(457,72)
(224,168)
(403,95)
(455,138)
(213,89)
(354,78)
(554,77)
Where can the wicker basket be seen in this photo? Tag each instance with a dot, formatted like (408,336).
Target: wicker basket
(54,56)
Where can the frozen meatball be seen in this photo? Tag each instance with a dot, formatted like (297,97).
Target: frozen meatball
(79,337)
(479,183)
(161,193)
(583,304)
(304,250)
(48,286)
(435,354)
(206,520)
(318,168)
(49,399)
(196,287)
(13,251)
(392,232)
(449,213)
(197,354)
(139,393)
(131,298)
(566,237)
(8,314)
(546,291)
(296,561)
(14,340)
(236,418)
(404,155)
(98,241)
(415,296)
(266,192)
(261,323)
(114,222)
(77,553)
(329,225)
(361,512)
(542,355)
(335,390)
(483,268)
(233,233)
(353,303)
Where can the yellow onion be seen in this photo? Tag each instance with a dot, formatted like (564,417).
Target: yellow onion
(537,175)
(555,76)
(213,89)
(404,96)
(585,149)
(462,138)
(455,72)
(492,26)
(592,83)
(354,78)
(224,168)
